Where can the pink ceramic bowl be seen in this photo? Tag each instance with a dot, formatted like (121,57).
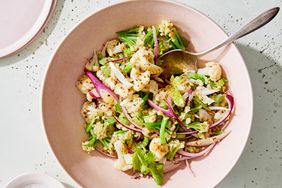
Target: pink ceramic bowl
(61,101)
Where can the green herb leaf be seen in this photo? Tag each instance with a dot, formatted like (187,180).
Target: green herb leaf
(127,52)
(176,40)
(176,97)
(117,108)
(128,66)
(106,70)
(129,36)
(197,76)
(110,121)
(216,133)
(144,162)
(198,101)
(153,125)
(89,127)
(201,127)
(162,130)
(221,82)
(123,119)
(148,40)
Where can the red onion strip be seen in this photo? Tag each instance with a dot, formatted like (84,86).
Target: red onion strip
(190,97)
(128,117)
(230,100)
(119,59)
(94,94)
(101,151)
(100,86)
(156,44)
(188,155)
(167,112)
(171,168)
(126,126)
(188,165)
(208,141)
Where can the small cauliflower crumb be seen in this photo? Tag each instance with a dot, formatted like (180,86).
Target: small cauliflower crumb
(140,79)
(158,149)
(84,84)
(133,103)
(213,70)
(121,90)
(100,130)
(166,28)
(124,161)
(89,111)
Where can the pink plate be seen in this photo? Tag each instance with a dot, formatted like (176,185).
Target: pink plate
(21,21)
(61,101)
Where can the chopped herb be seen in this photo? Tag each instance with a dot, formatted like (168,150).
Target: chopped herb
(162,130)
(129,36)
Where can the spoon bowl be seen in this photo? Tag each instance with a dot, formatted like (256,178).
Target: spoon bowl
(178,61)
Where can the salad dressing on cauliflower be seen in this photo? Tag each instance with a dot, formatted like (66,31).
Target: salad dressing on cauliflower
(149,125)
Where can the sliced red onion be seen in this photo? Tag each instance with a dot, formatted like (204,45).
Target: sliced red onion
(189,98)
(230,100)
(94,94)
(208,141)
(156,44)
(188,165)
(187,132)
(168,102)
(101,151)
(187,155)
(167,112)
(100,86)
(119,59)
(126,126)
(171,167)
(128,117)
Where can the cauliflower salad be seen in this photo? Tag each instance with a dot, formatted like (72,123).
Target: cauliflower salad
(149,125)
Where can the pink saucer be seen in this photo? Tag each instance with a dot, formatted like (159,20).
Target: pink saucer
(21,21)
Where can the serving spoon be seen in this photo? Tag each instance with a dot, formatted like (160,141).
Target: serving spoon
(177,61)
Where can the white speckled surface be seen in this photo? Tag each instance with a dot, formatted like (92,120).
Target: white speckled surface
(23,144)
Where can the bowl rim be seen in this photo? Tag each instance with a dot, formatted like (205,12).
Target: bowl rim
(120,2)
(39,176)
(34,32)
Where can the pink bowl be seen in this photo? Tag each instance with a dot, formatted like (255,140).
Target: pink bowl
(61,102)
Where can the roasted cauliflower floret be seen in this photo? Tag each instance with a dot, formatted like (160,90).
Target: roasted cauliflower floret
(89,111)
(144,60)
(140,79)
(84,84)
(133,103)
(166,28)
(124,161)
(107,98)
(111,82)
(105,108)
(121,90)
(158,149)
(101,76)
(213,70)
(92,64)
(101,130)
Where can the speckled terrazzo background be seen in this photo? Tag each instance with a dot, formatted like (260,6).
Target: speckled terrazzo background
(22,142)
